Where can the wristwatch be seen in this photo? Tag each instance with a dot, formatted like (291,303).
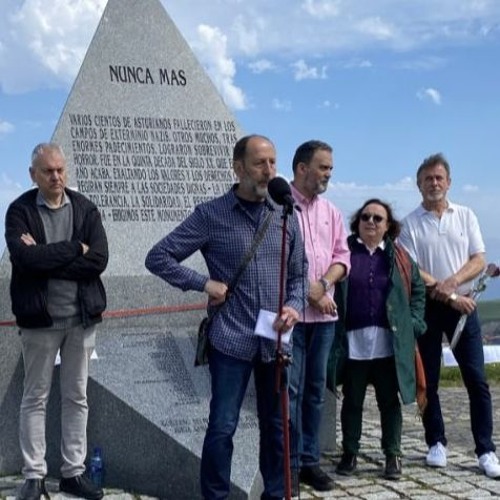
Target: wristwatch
(453,297)
(326,284)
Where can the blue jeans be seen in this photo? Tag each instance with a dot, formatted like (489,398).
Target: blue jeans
(470,357)
(311,346)
(230,377)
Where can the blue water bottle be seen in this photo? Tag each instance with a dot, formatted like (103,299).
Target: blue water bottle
(97,467)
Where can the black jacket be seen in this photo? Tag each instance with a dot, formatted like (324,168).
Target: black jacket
(33,265)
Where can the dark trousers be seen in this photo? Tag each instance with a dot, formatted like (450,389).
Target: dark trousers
(470,358)
(382,374)
(230,377)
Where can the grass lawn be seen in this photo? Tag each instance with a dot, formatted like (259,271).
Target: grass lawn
(450,375)
(489,310)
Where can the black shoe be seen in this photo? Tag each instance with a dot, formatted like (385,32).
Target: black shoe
(81,487)
(33,489)
(315,477)
(347,464)
(392,467)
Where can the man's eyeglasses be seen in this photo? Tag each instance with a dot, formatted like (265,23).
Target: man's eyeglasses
(368,217)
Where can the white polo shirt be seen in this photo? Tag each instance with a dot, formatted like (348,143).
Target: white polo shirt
(441,246)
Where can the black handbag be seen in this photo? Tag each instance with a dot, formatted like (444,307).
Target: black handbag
(202,346)
(203,343)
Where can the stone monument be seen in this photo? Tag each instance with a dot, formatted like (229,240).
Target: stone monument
(147,137)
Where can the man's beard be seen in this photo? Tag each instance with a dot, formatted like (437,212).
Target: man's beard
(260,191)
(321,187)
(438,196)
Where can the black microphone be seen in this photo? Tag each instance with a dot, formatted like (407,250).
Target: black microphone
(280,192)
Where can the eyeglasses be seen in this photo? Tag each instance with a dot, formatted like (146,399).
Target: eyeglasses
(375,217)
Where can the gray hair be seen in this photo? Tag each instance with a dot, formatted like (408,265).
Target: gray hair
(433,161)
(42,148)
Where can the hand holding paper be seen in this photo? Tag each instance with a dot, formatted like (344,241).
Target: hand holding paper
(265,327)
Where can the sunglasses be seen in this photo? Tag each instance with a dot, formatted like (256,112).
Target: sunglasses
(377,219)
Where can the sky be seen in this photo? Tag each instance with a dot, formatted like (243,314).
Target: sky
(385,82)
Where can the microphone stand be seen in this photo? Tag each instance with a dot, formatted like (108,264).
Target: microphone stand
(283,361)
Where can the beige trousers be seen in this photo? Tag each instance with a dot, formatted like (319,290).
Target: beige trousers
(39,348)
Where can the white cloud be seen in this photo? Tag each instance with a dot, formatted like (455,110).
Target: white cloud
(50,37)
(402,195)
(305,72)
(212,47)
(427,63)
(358,63)
(430,94)
(284,28)
(9,191)
(280,105)
(247,35)
(322,9)
(5,127)
(405,184)
(326,104)
(376,28)
(365,64)
(261,66)
(8,186)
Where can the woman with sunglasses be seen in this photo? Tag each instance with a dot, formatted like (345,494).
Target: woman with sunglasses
(381,312)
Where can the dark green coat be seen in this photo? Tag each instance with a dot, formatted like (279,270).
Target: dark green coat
(406,322)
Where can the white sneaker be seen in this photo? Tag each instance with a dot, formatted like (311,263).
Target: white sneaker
(437,456)
(488,463)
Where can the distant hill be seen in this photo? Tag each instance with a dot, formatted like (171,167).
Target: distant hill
(489,310)
(489,313)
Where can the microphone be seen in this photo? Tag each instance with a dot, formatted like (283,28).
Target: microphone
(280,192)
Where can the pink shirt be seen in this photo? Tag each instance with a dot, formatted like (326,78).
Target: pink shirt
(325,240)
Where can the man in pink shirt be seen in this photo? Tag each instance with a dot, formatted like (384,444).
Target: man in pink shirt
(325,240)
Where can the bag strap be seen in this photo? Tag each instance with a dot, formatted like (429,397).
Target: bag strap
(259,236)
(404,266)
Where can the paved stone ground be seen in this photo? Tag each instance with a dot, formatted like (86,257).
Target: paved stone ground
(460,480)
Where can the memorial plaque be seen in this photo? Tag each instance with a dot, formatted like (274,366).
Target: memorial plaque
(145,131)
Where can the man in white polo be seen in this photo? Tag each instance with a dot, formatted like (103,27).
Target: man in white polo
(445,240)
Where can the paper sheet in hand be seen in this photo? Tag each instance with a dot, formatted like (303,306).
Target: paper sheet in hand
(264,327)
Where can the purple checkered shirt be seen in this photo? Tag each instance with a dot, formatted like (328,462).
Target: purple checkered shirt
(223,230)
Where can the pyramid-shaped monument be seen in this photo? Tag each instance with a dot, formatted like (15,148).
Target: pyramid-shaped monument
(147,137)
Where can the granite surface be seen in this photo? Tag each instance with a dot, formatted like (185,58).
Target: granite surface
(147,137)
